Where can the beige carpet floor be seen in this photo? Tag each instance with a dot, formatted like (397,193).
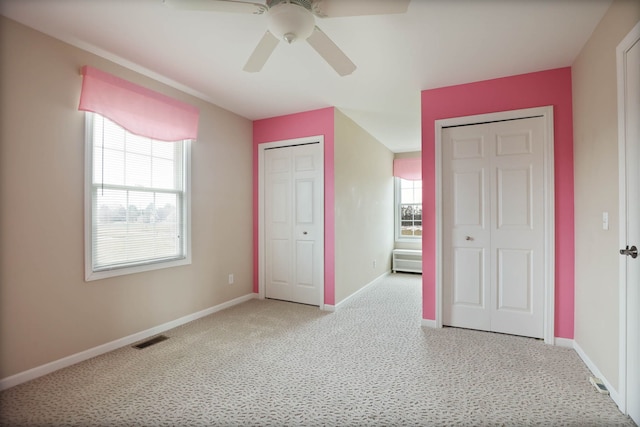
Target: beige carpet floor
(273,363)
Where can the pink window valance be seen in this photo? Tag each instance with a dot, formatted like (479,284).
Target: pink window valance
(408,168)
(137,109)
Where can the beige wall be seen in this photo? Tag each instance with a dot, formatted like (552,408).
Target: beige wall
(364,207)
(404,244)
(47,310)
(596,188)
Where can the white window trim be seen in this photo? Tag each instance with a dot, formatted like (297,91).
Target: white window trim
(396,208)
(88,217)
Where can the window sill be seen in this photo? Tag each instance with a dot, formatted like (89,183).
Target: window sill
(103,274)
(410,240)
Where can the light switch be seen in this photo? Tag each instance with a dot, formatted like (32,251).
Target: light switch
(605,220)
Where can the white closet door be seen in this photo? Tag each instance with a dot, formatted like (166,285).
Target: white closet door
(517,227)
(466,227)
(493,231)
(294,223)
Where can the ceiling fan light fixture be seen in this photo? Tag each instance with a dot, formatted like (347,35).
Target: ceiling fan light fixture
(290,22)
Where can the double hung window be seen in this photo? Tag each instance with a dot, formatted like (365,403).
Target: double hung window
(409,209)
(139,199)
(137,176)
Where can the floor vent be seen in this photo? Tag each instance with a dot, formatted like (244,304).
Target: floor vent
(150,342)
(599,385)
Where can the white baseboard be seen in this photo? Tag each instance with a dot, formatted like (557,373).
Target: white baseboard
(428,323)
(328,307)
(45,369)
(563,342)
(596,372)
(371,283)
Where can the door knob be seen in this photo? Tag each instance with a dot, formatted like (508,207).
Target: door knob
(304,232)
(630,251)
(469,238)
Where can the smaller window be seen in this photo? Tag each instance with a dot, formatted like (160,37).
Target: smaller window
(408,209)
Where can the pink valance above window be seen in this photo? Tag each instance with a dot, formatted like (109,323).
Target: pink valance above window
(408,168)
(137,109)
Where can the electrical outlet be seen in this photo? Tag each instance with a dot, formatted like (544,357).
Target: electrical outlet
(374,263)
(231,279)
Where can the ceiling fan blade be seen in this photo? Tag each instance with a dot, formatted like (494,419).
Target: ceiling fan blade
(262,52)
(331,52)
(337,8)
(218,6)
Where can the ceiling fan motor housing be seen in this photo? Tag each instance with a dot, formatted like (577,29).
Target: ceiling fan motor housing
(290,20)
(307,4)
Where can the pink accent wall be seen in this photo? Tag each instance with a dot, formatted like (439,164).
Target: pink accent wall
(310,123)
(552,87)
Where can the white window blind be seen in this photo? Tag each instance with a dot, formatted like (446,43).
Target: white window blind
(138,200)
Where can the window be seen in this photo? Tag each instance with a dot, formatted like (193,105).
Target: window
(137,201)
(408,209)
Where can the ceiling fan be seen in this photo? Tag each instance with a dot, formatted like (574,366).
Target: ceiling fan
(294,20)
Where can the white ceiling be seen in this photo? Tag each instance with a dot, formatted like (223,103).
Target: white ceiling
(437,43)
